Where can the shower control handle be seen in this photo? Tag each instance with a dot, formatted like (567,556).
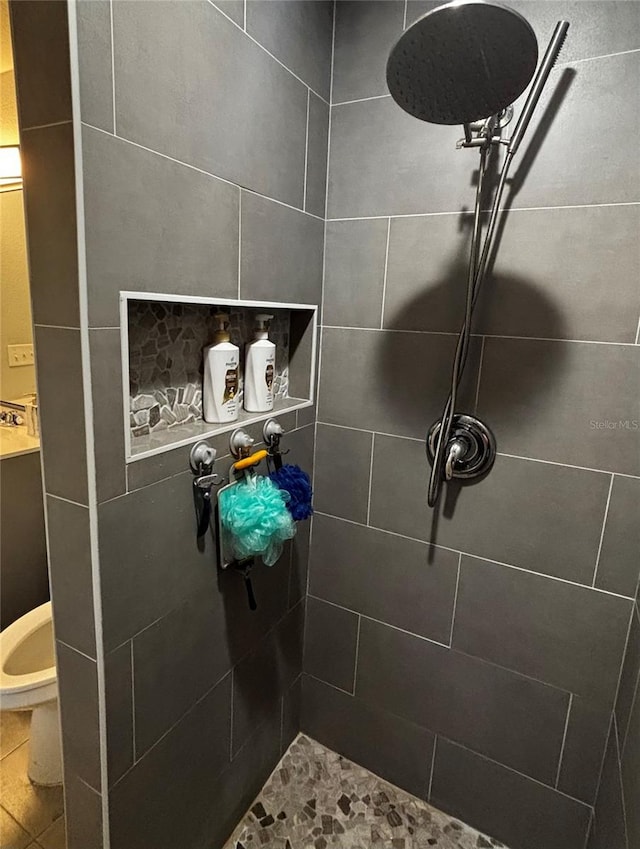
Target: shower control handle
(457,449)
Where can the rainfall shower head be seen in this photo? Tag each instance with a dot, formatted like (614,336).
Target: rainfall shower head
(462,62)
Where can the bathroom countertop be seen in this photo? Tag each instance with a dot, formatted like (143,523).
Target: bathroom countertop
(14,440)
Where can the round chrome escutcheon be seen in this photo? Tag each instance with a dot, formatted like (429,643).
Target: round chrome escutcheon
(479,442)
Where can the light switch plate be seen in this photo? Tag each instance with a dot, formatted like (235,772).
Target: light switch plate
(20,355)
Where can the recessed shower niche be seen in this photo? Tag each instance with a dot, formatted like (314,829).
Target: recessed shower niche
(162,358)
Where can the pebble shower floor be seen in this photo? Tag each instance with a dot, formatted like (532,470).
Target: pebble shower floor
(315,799)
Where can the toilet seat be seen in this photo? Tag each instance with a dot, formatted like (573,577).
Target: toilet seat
(25,683)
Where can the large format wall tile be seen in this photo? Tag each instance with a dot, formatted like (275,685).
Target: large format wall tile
(629,679)
(173,805)
(502,803)
(583,751)
(61,406)
(70,565)
(631,774)
(149,559)
(389,382)
(566,402)
(175,661)
(365,33)
(609,828)
(354,272)
(396,580)
(78,683)
(618,566)
(40,34)
(119,711)
(554,165)
(342,457)
(50,208)
(176,229)
(94,56)
(331,636)
(508,516)
(384,162)
(537,287)
(299,33)
(387,745)
(83,814)
(245,116)
(264,675)
(281,254)
(516,720)
(499,612)
(317,141)
(108,419)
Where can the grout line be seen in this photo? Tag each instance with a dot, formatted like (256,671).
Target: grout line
(636,692)
(77,651)
(355,665)
(362,100)
(499,454)
(638,333)
(170,729)
(404,16)
(567,465)
(433,765)
(201,170)
(306,153)
(465,212)
(262,47)
(327,684)
(373,444)
(479,335)
(46,126)
(517,772)
(624,656)
(477,398)
(384,278)
(66,500)
(595,58)
(455,601)
(113,67)
(57,327)
(239,239)
(621,782)
(589,827)
(476,557)
(133,704)
(564,740)
(604,525)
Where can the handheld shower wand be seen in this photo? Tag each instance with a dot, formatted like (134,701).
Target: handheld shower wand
(485,56)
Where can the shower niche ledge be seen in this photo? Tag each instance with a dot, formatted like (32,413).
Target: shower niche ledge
(163,337)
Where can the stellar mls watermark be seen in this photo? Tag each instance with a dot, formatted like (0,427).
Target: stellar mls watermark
(617,424)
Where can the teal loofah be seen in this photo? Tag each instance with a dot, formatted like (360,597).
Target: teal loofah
(255,519)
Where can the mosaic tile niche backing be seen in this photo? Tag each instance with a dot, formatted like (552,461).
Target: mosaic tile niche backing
(165,359)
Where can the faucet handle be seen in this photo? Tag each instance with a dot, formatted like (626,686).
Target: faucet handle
(457,448)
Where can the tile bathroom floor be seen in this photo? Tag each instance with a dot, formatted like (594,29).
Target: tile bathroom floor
(30,817)
(316,798)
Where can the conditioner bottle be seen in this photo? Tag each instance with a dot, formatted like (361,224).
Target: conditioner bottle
(221,365)
(259,370)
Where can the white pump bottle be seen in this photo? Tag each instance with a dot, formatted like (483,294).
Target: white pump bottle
(259,369)
(221,366)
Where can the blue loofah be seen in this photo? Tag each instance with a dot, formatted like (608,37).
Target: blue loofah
(255,519)
(297,484)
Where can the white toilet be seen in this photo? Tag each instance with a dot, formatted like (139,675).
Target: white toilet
(28,682)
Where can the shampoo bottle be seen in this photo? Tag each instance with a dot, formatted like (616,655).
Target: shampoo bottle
(259,370)
(221,364)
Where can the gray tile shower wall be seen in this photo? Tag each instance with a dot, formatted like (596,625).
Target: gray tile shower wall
(479,648)
(42,63)
(204,167)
